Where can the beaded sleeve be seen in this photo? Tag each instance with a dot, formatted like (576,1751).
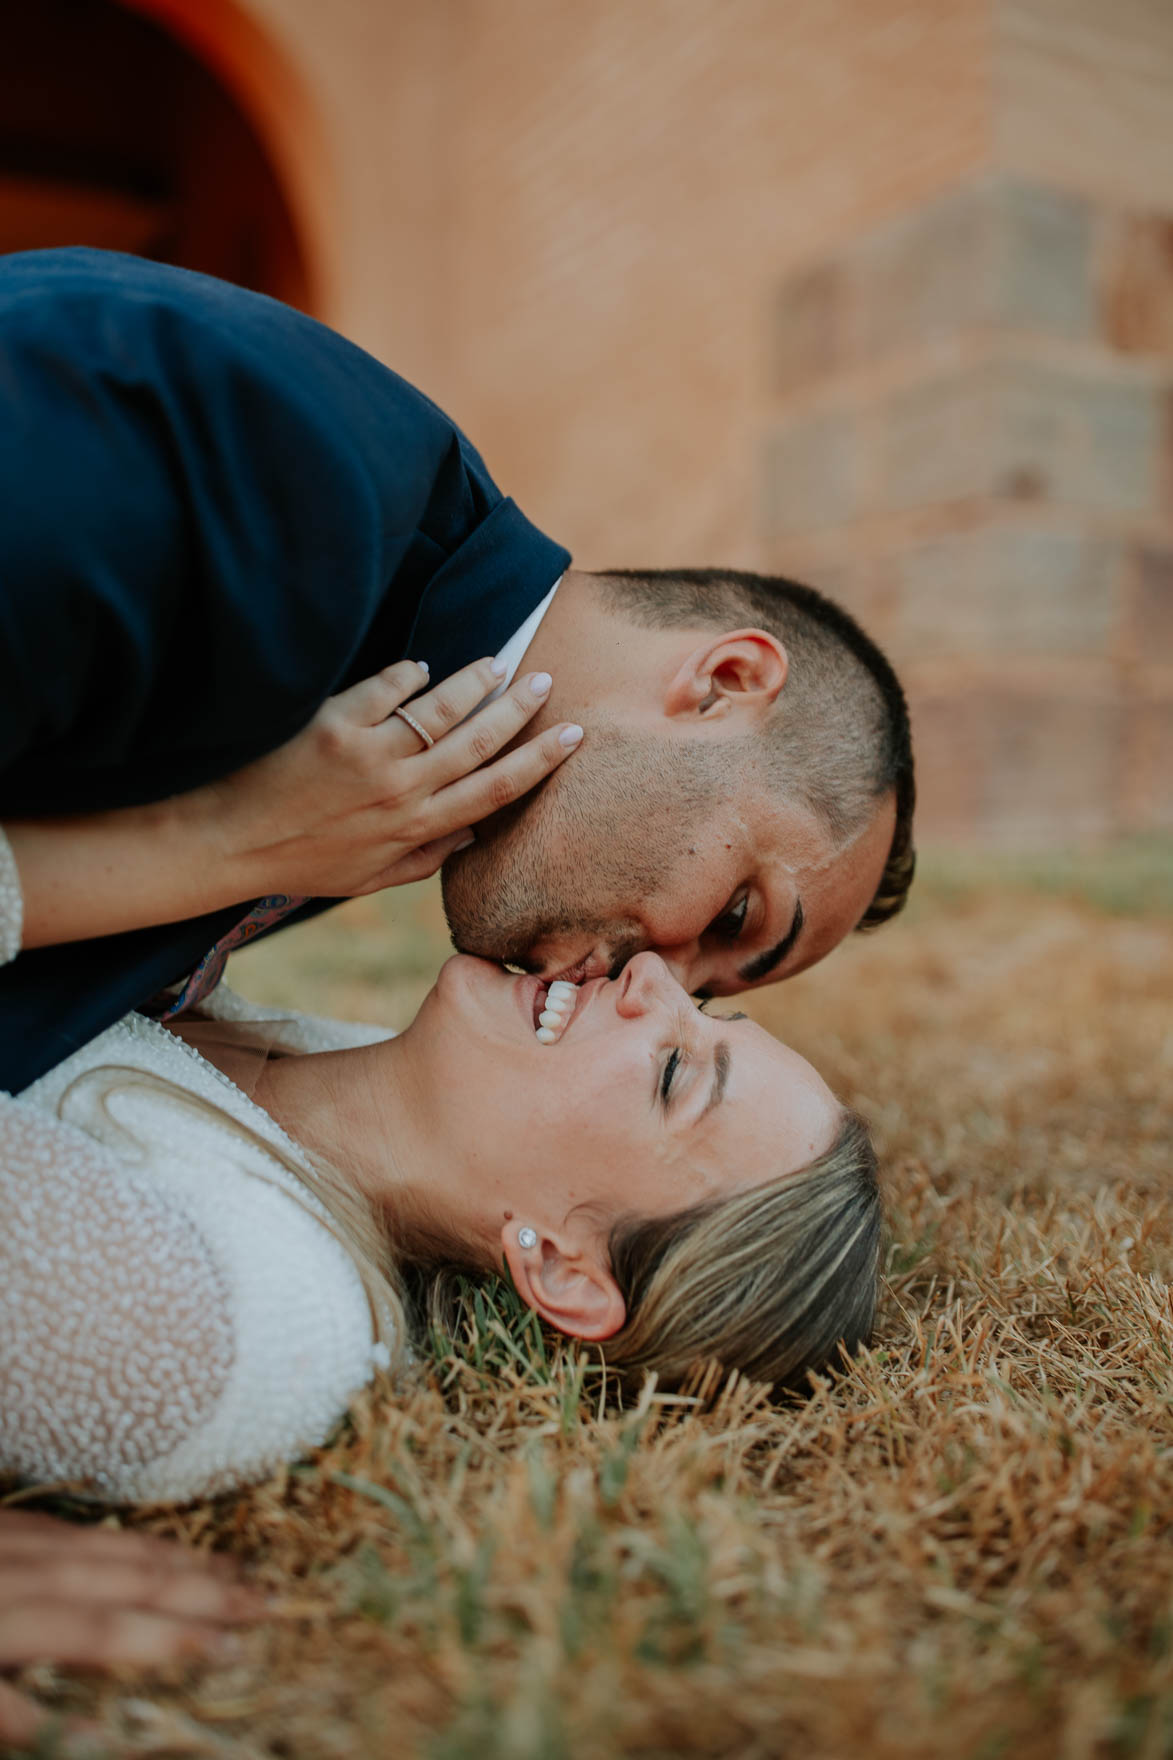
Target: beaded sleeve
(117,1338)
(176,1319)
(11,903)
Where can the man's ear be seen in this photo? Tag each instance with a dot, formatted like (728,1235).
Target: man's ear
(740,672)
(567,1284)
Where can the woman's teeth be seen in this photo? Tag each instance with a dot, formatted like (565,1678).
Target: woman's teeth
(560,1001)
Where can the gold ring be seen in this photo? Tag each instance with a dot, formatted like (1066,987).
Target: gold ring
(415,726)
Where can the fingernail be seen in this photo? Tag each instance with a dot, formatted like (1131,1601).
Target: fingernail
(464,842)
(228,1646)
(570,735)
(424,668)
(540,683)
(499,667)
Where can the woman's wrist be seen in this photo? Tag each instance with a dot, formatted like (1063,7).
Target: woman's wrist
(95,874)
(206,820)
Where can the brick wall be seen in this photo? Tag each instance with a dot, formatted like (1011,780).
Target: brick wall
(973,448)
(878,290)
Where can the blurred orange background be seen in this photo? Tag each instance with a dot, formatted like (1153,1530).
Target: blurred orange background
(875,292)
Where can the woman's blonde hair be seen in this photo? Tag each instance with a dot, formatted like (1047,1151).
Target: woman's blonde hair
(774,1281)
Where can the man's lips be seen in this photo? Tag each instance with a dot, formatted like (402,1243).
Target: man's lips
(595,965)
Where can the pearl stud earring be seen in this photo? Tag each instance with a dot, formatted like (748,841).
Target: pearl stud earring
(527,1238)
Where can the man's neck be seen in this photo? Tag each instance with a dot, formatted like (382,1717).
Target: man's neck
(586,648)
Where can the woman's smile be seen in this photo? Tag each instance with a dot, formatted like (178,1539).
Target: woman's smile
(628,1067)
(555,1011)
(548,1005)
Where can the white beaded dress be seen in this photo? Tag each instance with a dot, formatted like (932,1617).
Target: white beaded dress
(177,1317)
(11,903)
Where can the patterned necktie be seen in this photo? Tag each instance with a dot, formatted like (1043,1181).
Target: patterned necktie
(210,970)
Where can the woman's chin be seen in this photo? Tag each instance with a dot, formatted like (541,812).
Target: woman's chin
(471,968)
(466,975)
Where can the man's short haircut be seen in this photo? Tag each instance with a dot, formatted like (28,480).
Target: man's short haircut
(841,740)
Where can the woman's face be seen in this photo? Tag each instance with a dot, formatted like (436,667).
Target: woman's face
(643,1106)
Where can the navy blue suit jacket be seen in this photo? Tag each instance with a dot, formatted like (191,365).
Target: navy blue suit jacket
(214,514)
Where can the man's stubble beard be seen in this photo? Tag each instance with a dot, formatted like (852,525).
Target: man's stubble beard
(579,856)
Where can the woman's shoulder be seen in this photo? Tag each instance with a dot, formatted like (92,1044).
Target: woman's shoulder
(290,1029)
(159,1151)
(162,1111)
(132,1044)
(168,1093)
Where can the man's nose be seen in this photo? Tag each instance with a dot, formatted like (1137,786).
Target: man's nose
(701,972)
(684,962)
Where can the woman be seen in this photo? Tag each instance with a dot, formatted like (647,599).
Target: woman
(196,1287)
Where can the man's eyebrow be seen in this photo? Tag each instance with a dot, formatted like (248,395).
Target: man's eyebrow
(721,1061)
(763,964)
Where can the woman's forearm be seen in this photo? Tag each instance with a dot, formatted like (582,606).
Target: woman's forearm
(90,874)
(357,801)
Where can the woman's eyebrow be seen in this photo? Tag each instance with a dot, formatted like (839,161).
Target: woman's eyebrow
(721,1062)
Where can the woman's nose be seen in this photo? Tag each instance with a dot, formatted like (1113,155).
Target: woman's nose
(681,960)
(645,982)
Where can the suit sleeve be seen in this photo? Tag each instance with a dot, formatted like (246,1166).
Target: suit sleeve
(203,497)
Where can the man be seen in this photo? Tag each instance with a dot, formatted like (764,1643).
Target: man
(220,526)
(217,515)
(744,799)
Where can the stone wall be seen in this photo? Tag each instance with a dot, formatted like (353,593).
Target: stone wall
(974,449)
(568,221)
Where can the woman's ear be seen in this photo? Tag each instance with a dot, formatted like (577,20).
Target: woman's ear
(567,1284)
(743,670)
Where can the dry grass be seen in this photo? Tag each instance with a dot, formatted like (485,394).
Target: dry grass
(962,1548)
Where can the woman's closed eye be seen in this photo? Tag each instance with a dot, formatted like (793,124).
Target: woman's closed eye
(695,1050)
(689,1049)
(669,1075)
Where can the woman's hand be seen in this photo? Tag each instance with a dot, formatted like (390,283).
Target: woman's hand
(353,803)
(357,802)
(101,1598)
